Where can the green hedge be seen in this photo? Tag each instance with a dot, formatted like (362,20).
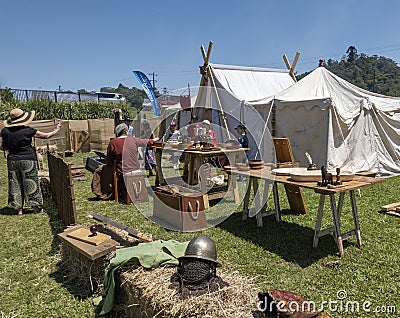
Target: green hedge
(47,109)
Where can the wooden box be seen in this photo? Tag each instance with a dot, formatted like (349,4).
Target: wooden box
(136,187)
(181,208)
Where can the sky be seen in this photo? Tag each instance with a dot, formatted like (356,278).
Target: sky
(89,44)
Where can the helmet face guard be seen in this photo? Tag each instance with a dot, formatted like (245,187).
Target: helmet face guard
(196,271)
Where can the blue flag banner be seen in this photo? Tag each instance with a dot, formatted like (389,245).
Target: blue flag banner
(146,85)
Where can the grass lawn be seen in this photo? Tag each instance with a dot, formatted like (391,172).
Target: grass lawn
(279,255)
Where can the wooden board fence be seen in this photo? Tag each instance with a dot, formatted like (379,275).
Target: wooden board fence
(62,188)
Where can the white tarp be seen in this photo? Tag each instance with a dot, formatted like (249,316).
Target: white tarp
(340,124)
(235,88)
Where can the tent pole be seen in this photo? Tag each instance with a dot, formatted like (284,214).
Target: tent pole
(220,107)
(291,67)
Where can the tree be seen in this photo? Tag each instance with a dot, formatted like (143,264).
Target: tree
(374,73)
(351,54)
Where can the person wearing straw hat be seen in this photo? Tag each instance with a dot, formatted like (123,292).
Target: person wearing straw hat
(23,181)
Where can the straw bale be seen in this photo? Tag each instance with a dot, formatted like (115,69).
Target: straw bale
(87,274)
(149,293)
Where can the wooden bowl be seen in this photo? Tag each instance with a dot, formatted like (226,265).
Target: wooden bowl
(256,164)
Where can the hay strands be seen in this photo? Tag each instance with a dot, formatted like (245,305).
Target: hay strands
(135,233)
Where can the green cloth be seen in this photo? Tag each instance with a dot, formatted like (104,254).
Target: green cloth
(148,255)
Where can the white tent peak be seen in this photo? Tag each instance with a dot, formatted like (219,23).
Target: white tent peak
(322,84)
(340,124)
(250,84)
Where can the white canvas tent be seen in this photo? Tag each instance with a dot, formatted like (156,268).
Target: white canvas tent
(339,124)
(230,90)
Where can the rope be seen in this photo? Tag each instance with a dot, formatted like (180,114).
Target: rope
(220,106)
(265,127)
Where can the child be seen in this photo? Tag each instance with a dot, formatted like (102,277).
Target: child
(244,143)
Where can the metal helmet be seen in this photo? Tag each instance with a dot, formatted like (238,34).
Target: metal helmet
(202,247)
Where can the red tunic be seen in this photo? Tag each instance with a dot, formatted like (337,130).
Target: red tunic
(124,151)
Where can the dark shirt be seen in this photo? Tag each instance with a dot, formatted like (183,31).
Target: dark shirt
(243,141)
(18,141)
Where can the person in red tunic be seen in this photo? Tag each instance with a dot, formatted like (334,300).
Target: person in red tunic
(193,125)
(210,133)
(123,151)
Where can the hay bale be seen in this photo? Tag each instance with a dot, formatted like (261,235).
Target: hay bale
(87,275)
(149,293)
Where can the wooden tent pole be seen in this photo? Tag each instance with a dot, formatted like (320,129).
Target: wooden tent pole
(206,58)
(205,71)
(291,67)
(220,107)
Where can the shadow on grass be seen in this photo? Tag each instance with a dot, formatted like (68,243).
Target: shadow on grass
(8,211)
(290,241)
(56,226)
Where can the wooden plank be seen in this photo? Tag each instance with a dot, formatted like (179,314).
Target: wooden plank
(285,158)
(391,206)
(295,198)
(83,234)
(90,251)
(366,174)
(394,213)
(283,151)
(134,233)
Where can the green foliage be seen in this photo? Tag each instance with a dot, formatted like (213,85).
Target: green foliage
(48,109)
(7,102)
(374,73)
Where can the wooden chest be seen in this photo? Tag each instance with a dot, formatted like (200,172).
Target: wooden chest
(181,209)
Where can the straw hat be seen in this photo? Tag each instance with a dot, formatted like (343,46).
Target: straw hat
(207,122)
(18,117)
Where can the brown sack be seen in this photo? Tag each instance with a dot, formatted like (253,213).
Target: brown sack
(103,182)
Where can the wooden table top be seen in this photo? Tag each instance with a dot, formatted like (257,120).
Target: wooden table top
(214,152)
(265,174)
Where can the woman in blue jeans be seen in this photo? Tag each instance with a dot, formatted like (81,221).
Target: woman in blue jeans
(23,181)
